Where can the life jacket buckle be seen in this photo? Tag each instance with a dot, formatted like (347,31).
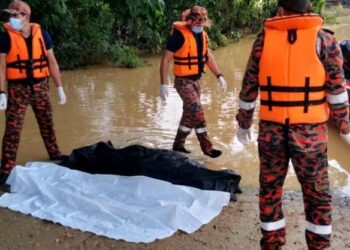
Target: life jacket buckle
(292,36)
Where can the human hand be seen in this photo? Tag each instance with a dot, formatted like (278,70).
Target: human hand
(346,138)
(244,135)
(3,101)
(163,92)
(61,95)
(222,83)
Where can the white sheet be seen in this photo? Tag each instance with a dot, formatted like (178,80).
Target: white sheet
(135,209)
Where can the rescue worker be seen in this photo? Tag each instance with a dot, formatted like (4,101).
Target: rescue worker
(297,66)
(345,48)
(188,46)
(26,62)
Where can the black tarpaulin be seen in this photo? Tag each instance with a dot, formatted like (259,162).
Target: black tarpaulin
(103,158)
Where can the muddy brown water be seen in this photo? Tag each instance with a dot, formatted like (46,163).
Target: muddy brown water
(122,105)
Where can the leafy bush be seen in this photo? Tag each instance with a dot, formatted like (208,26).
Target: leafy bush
(139,23)
(109,31)
(318,6)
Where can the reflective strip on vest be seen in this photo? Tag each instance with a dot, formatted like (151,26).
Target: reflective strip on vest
(201,130)
(185,129)
(338,99)
(273,226)
(246,105)
(318,229)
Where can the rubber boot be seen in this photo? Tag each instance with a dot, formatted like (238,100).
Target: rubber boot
(179,142)
(207,146)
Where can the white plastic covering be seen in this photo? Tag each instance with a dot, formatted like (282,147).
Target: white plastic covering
(135,209)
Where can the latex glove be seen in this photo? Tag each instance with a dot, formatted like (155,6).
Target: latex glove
(244,135)
(222,83)
(163,92)
(61,95)
(346,138)
(3,101)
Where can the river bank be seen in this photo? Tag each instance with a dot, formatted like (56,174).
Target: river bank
(237,227)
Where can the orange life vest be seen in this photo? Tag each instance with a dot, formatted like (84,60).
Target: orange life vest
(292,77)
(186,59)
(21,65)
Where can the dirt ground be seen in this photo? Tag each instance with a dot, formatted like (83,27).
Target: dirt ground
(237,227)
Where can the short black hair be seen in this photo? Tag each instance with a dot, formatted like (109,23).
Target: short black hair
(295,6)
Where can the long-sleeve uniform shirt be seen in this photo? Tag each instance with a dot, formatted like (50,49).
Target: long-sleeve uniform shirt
(330,56)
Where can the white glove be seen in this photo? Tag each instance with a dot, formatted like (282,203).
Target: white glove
(3,101)
(346,138)
(244,135)
(222,82)
(163,92)
(61,95)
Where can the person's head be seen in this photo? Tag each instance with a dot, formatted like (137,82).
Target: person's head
(196,17)
(19,14)
(292,7)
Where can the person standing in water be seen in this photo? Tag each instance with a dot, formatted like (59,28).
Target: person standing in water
(188,47)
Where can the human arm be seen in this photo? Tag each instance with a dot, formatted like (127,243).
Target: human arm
(249,92)
(3,98)
(56,75)
(212,65)
(250,86)
(164,67)
(54,68)
(337,96)
(4,49)
(2,71)
(174,42)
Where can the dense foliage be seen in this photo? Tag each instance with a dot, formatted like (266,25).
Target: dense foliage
(116,31)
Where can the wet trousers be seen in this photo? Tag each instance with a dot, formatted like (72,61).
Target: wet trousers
(306,147)
(192,114)
(19,97)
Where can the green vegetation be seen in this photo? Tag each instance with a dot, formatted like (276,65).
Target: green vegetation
(330,15)
(118,31)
